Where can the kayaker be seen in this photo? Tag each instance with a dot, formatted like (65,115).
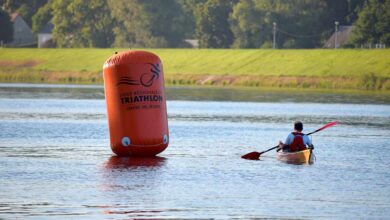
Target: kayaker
(296,140)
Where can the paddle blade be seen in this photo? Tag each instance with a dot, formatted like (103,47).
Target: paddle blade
(251,156)
(325,126)
(328,125)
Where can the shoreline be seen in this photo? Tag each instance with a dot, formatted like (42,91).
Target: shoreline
(187,86)
(204,93)
(364,84)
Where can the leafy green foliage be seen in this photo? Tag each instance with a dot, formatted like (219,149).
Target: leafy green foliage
(189,8)
(147,23)
(299,23)
(213,30)
(80,23)
(249,34)
(215,23)
(373,24)
(189,17)
(25,8)
(42,17)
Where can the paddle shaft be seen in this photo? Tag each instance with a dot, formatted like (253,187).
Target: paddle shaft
(314,131)
(269,149)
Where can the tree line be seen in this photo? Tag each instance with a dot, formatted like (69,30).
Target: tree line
(214,23)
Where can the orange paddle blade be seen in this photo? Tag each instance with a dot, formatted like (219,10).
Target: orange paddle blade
(251,156)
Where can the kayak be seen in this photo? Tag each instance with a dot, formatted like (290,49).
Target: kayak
(299,157)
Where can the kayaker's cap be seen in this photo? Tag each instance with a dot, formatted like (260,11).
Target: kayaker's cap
(298,126)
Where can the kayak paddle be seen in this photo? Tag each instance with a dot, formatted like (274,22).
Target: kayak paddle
(256,155)
(325,126)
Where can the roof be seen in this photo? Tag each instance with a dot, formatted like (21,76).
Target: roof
(47,29)
(13,16)
(343,34)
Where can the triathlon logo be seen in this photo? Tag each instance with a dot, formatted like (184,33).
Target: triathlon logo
(146,79)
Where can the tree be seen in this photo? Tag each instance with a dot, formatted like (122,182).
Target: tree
(249,25)
(300,23)
(373,24)
(212,26)
(143,23)
(25,8)
(42,17)
(79,23)
(6,30)
(189,19)
(343,11)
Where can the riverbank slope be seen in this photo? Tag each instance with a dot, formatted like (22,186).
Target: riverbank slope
(348,69)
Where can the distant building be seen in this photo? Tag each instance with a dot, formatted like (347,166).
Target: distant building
(23,36)
(45,35)
(343,34)
(192,42)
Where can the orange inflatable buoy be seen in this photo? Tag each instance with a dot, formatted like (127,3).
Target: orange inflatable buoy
(136,103)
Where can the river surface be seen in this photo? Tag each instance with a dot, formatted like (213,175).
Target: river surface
(55,159)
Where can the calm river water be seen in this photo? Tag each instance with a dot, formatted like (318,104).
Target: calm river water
(55,159)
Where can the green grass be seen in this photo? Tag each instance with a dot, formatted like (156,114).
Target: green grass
(357,66)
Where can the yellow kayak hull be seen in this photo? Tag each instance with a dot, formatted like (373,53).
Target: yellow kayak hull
(299,157)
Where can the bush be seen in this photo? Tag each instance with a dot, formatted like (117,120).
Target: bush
(369,81)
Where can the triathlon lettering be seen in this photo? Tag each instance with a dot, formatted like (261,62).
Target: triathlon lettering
(135,100)
(141,98)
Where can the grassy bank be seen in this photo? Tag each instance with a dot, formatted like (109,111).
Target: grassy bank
(322,69)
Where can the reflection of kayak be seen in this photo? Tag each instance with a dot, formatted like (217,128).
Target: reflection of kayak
(299,157)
